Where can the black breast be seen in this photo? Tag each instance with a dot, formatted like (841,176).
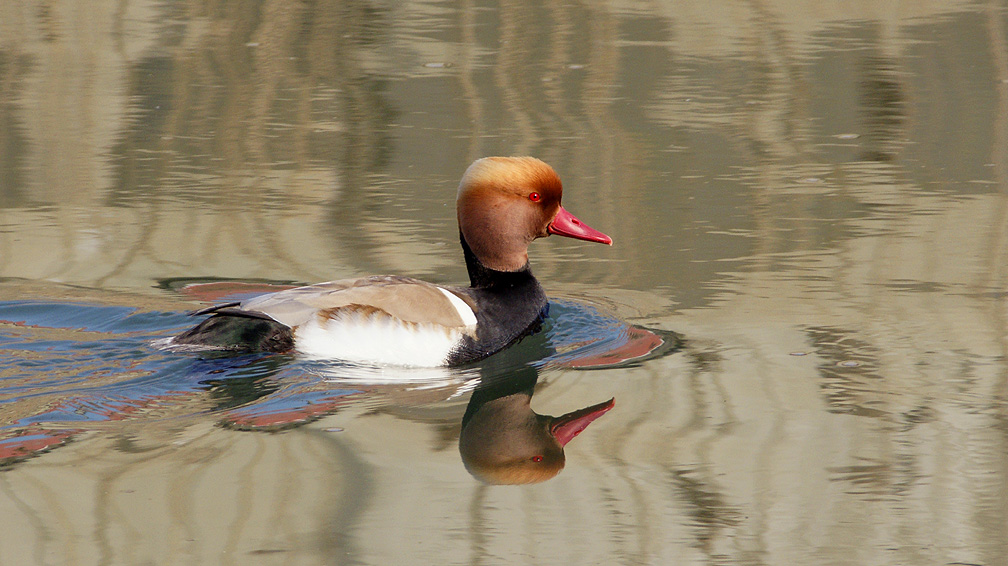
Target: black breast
(510,305)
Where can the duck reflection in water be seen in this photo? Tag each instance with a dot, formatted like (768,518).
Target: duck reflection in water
(503,441)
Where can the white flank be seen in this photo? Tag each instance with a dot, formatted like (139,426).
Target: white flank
(464,311)
(379,340)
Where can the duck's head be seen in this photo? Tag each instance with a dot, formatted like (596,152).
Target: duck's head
(506,202)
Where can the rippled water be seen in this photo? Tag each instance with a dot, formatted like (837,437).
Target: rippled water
(69,368)
(802,322)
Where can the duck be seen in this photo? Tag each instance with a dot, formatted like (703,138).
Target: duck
(502,205)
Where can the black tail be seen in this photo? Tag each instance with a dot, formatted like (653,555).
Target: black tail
(239,331)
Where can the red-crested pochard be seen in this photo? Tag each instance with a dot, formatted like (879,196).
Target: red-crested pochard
(503,204)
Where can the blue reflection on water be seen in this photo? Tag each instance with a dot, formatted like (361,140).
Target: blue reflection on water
(65,366)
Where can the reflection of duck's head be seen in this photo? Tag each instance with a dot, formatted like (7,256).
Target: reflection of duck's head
(505,442)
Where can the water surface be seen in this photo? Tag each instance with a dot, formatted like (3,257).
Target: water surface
(809,211)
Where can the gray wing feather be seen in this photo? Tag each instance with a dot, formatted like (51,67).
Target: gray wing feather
(407,299)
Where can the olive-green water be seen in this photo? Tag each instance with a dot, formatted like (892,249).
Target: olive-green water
(809,203)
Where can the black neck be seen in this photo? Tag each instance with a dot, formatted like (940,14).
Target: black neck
(481,276)
(490,388)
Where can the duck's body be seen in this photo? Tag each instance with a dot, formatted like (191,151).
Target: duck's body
(503,204)
(384,319)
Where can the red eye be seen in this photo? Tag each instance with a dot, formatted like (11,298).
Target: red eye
(536,458)
(534,197)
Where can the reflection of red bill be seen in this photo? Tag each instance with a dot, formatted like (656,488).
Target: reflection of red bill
(566,427)
(30,442)
(639,343)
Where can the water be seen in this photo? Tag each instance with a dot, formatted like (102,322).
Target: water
(70,367)
(802,322)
